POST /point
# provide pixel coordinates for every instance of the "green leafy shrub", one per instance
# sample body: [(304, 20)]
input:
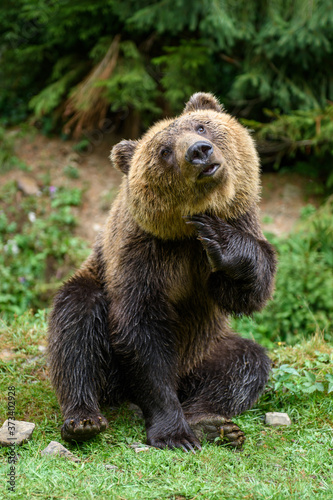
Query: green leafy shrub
[(301, 370), (303, 380), (71, 171), (6, 151), (37, 248), (8, 159), (303, 299)]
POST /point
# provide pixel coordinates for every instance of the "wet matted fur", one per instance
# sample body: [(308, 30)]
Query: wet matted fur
[(145, 319)]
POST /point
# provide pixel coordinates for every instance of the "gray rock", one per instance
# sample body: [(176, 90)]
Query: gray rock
[(276, 418), (73, 158), (15, 432), (55, 448), (28, 185), (136, 410), (111, 467), (139, 447), (7, 355)]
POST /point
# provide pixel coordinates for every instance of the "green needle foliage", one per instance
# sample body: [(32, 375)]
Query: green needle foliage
[(252, 55)]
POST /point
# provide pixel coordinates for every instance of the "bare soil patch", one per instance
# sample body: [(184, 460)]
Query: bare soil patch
[(48, 159)]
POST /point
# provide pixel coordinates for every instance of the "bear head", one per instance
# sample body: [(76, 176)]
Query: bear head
[(203, 161)]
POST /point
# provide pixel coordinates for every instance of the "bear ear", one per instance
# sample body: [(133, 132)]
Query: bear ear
[(121, 155), (202, 100)]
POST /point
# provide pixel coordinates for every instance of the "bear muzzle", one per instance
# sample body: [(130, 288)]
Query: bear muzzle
[(201, 155)]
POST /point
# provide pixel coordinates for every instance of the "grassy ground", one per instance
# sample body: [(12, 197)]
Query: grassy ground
[(276, 463)]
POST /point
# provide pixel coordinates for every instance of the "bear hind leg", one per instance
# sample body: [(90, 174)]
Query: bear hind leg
[(226, 383)]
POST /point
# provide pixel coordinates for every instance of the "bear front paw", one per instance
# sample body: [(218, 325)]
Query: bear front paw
[(209, 239), (82, 429), (184, 439), (216, 236)]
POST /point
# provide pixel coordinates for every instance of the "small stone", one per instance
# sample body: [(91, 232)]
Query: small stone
[(28, 185), (97, 227), (55, 448), (111, 467), (7, 354), (73, 158), (16, 432), (32, 217), (276, 418), (136, 410), (139, 447)]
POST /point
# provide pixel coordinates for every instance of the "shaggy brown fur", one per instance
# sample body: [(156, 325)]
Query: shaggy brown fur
[(145, 318)]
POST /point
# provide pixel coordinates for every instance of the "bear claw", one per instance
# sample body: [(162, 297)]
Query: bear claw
[(224, 429), (75, 429), (181, 443)]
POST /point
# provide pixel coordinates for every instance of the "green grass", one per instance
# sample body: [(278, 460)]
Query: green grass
[(276, 463)]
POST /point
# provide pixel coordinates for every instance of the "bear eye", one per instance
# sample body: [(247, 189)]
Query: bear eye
[(165, 153), (201, 129)]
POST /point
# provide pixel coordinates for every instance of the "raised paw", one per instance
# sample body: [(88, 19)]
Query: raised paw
[(209, 239), (82, 429), (223, 245), (218, 429)]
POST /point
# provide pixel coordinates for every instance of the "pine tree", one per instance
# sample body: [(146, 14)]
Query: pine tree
[(252, 54)]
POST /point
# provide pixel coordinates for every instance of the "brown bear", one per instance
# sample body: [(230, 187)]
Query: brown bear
[(145, 319)]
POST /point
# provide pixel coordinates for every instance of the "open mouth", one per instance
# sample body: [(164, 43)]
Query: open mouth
[(209, 170)]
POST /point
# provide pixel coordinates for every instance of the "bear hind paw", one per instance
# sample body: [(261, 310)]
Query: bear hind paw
[(218, 429)]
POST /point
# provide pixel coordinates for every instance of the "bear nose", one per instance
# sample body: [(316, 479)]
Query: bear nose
[(199, 153)]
